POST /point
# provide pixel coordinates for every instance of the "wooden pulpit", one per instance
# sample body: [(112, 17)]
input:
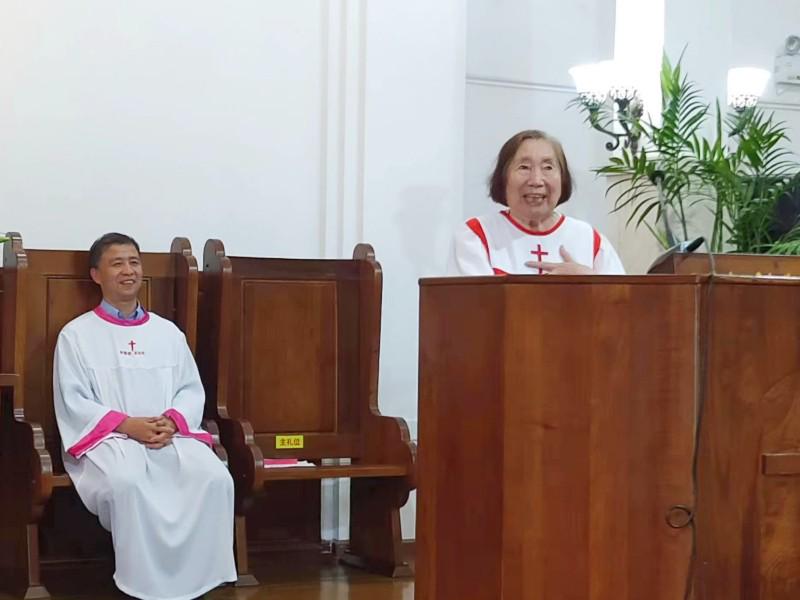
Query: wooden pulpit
[(683, 263), (599, 438)]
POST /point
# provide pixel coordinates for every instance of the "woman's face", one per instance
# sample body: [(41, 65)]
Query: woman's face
[(533, 182)]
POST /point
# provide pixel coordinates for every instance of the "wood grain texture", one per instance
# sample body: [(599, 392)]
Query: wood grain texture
[(585, 395), (555, 433), (781, 463), (749, 522), (291, 347), (728, 264)]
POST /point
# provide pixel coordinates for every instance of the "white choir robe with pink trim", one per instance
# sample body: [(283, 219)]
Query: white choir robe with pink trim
[(169, 510), (497, 244)]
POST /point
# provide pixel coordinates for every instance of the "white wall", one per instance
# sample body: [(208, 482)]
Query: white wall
[(759, 31), (413, 173), (702, 32), (414, 149), (284, 128), (158, 119), (729, 33)]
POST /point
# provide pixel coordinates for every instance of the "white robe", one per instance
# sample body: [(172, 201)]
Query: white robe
[(170, 510), (496, 244)]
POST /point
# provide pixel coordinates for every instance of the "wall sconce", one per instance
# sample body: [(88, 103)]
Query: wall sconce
[(745, 87), (594, 83), (597, 82)]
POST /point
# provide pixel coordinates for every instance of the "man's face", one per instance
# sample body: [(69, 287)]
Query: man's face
[(119, 273)]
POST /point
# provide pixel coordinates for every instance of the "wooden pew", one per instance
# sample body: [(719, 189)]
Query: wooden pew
[(42, 291), (290, 347), (8, 386)]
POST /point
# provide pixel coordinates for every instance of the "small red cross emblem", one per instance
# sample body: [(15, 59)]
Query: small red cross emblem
[(539, 254), (132, 344)]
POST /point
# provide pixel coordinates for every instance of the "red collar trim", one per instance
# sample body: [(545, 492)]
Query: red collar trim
[(507, 215), (125, 323)]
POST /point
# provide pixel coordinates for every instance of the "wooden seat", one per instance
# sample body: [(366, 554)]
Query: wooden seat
[(42, 291), (290, 348), (335, 471)]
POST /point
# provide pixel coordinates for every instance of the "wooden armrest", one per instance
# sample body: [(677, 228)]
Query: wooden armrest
[(388, 441), (211, 427), (9, 379), (61, 480)]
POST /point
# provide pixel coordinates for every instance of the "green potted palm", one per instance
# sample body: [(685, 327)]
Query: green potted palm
[(739, 173)]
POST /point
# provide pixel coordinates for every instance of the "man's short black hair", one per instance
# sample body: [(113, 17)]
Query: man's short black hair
[(103, 242)]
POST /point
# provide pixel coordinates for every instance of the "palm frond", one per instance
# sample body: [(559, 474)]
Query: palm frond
[(738, 173)]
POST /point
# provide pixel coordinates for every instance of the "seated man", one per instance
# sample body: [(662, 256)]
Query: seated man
[(129, 401)]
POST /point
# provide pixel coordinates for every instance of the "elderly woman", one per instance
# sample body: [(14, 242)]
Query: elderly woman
[(530, 236)]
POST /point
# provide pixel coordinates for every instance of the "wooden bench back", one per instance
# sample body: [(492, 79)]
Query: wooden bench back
[(1, 316), (291, 346), (49, 288)]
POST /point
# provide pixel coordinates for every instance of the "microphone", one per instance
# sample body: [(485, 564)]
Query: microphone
[(691, 246), (686, 247)]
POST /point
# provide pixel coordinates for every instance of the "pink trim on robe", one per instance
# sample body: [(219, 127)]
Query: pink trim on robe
[(110, 421), (183, 427), (129, 323)]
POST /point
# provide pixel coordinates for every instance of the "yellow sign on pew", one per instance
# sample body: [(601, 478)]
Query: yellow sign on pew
[(288, 442)]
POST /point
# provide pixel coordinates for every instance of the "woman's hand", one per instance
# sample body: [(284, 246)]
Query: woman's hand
[(568, 267)]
